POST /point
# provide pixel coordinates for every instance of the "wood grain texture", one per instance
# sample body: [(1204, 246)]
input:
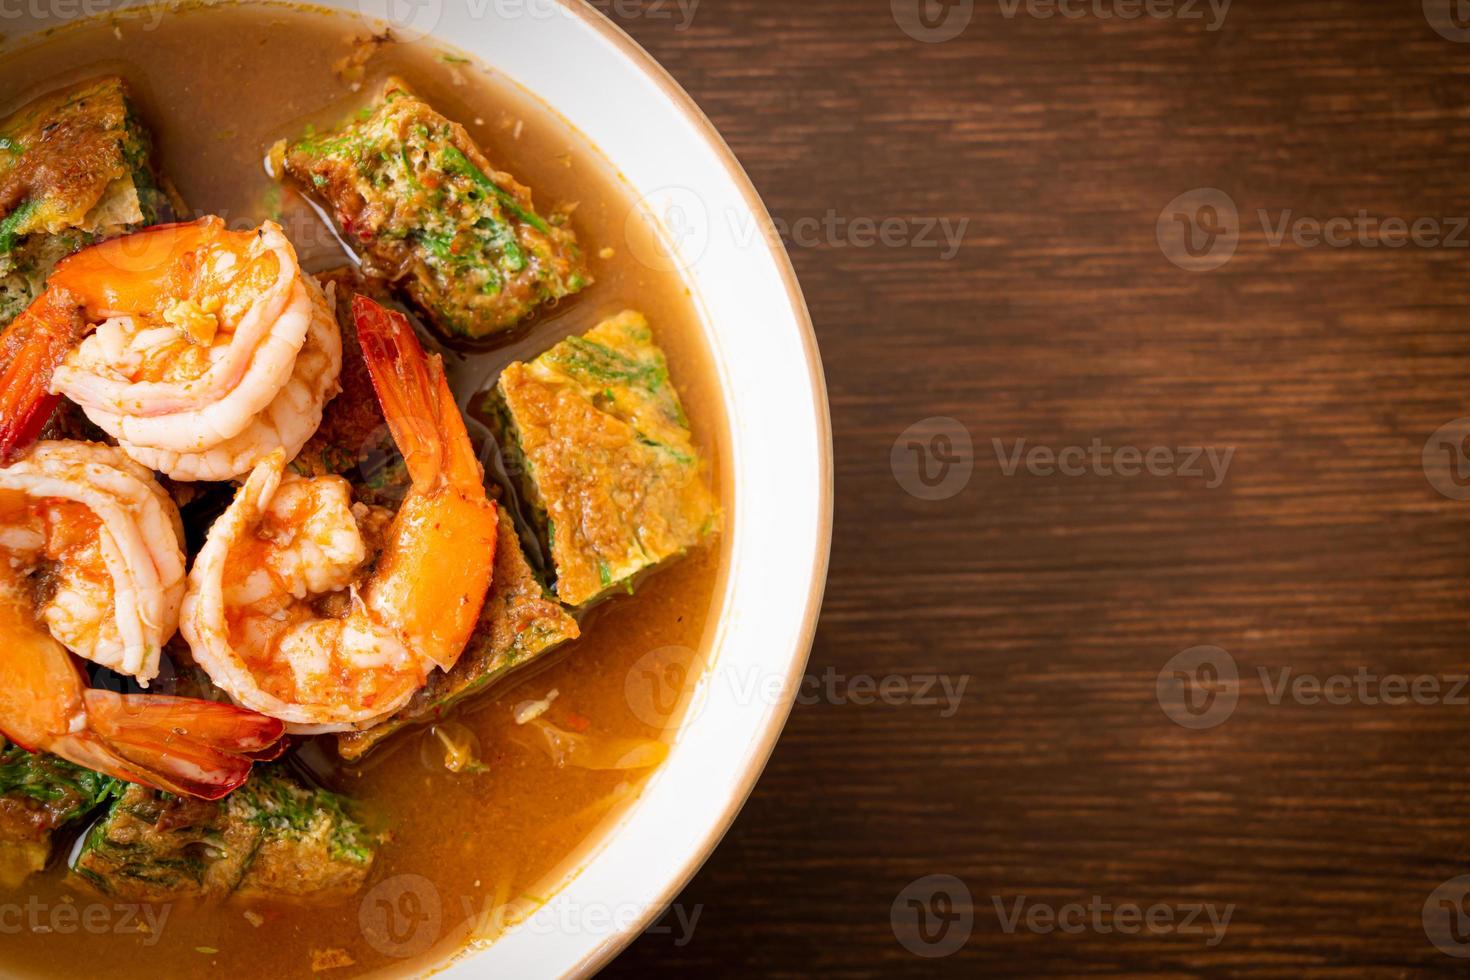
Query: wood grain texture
[(1325, 549)]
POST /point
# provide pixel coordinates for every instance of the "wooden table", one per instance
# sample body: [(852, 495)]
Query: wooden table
[(1325, 548)]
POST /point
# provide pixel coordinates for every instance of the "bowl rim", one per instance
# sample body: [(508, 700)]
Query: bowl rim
[(603, 953)]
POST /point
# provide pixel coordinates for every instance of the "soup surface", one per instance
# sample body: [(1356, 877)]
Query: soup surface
[(465, 852)]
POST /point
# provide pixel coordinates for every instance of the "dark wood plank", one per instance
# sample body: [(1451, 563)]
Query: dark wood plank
[(1060, 321)]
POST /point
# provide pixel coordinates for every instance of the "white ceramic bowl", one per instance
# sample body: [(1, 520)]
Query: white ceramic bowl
[(575, 60)]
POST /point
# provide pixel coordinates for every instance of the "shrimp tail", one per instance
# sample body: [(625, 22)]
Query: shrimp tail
[(417, 403), (182, 745), (445, 530), (30, 351)]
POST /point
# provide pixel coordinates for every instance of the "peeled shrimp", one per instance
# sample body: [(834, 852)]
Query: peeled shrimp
[(286, 423), (200, 350), (109, 538), (90, 561), (286, 547)]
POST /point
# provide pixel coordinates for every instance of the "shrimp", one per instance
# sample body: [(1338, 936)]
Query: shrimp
[(200, 350), (90, 561), (257, 612), (111, 536)]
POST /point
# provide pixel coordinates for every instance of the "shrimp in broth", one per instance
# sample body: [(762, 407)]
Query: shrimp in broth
[(90, 561), (252, 611), (200, 350)]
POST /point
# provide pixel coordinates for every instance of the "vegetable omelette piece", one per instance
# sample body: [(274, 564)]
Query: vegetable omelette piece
[(40, 794), (428, 212), (272, 837), (595, 434), (518, 623), (74, 169)]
